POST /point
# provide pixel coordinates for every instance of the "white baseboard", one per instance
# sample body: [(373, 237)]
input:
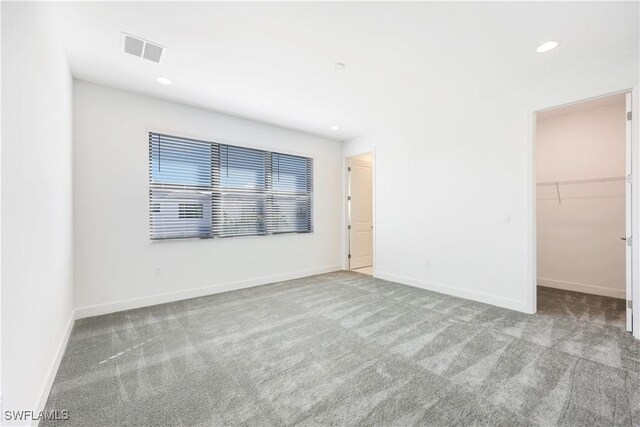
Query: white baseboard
[(582, 287), (53, 369), (457, 292), (112, 307)]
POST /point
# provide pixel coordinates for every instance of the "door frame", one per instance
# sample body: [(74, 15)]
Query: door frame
[(345, 224), (632, 158)]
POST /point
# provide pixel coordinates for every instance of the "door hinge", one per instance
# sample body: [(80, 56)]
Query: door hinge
[(348, 227), (630, 304), (349, 169), (629, 115), (348, 197), (349, 256), (629, 240), (629, 179)]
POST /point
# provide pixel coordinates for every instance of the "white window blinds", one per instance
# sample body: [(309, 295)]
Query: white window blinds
[(204, 189)]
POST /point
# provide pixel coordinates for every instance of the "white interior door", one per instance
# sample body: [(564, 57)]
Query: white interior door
[(360, 214), (629, 263)]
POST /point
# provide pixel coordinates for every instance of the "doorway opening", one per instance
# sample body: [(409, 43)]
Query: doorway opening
[(583, 210), (360, 213)]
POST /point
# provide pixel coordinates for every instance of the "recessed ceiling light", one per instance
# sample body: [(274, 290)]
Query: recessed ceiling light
[(334, 127), (547, 46), (163, 80), (339, 66)]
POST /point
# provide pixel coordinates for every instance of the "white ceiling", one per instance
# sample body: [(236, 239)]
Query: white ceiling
[(273, 62)]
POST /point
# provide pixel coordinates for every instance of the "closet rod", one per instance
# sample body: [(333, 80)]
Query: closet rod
[(582, 181)]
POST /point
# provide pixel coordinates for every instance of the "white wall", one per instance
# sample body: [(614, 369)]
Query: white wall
[(579, 246), (118, 267), (1, 401), (37, 222), (454, 191)]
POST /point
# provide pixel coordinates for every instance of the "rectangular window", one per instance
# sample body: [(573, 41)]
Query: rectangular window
[(205, 189), (291, 202)]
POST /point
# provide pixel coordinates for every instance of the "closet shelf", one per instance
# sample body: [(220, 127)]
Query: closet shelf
[(582, 181), (557, 184)]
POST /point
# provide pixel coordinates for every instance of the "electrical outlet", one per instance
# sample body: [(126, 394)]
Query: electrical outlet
[(157, 272)]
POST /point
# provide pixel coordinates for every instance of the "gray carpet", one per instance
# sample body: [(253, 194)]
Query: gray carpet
[(582, 307), (347, 349)]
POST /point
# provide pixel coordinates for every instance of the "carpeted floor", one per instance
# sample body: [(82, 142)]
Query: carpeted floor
[(343, 349), (582, 307)]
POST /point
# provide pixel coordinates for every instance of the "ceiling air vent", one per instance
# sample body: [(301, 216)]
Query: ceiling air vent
[(142, 48)]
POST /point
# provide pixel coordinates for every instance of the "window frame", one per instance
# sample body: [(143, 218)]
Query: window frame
[(268, 194)]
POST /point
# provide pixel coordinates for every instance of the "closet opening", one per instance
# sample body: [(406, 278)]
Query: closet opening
[(583, 211), (360, 213)]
